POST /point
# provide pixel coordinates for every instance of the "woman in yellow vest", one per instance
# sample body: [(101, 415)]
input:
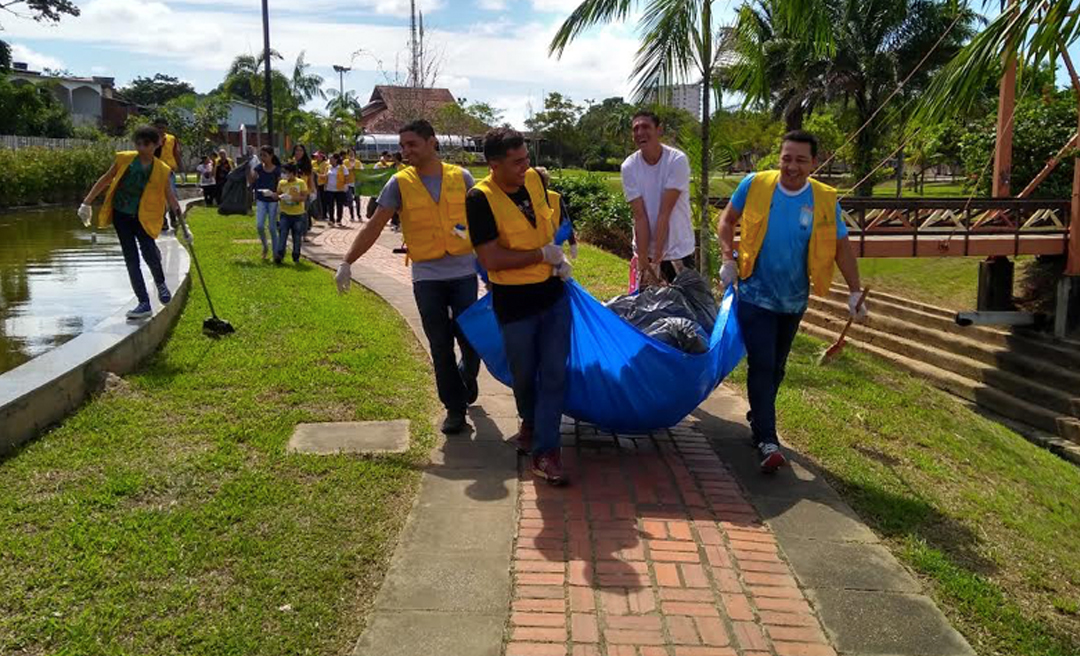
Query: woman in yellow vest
[(512, 226), (430, 196), (792, 236), (138, 193), (168, 151), (321, 167)]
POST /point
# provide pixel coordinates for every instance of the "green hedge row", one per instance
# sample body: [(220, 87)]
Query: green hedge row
[(601, 217), (41, 175)]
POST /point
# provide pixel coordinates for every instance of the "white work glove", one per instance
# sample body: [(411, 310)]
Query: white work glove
[(553, 255), (189, 237), (343, 277), (729, 273), (285, 198), (573, 251), (564, 270), (86, 214), (857, 313), (311, 197)]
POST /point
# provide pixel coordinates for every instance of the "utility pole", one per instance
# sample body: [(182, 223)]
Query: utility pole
[(414, 48), (266, 70)]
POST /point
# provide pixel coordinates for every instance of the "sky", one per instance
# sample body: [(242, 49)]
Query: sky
[(490, 50)]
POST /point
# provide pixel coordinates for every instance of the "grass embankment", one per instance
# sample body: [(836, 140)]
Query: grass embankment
[(164, 517), (987, 520)]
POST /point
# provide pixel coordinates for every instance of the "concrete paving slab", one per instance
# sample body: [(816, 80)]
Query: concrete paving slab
[(887, 624), (350, 437), (486, 531), (827, 564), (487, 428), (812, 518), (421, 580), (497, 405), (463, 453), (468, 488), (420, 633)]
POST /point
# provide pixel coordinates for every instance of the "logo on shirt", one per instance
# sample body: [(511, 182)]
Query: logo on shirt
[(806, 217)]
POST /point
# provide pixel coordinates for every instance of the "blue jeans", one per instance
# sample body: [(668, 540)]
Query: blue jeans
[(289, 224), (440, 303), (267, 212), (537, 348), (133, 238), (768, 337)]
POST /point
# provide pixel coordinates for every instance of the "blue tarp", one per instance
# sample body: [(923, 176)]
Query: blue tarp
[(618, 377)]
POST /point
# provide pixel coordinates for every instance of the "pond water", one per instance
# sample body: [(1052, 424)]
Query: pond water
[(54, 282)]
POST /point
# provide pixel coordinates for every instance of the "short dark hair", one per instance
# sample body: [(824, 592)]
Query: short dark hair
[(802, 136), (644, 113), (499, 141), (146, 134), (385, 153), (420, 127), (289, 167)]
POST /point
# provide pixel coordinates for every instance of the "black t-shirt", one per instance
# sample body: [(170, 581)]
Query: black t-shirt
[(510, 302)]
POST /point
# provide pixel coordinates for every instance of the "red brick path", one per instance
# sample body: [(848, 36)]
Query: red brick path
[(652, 550)]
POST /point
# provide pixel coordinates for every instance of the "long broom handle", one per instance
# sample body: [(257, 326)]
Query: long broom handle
[(858, 306), (198, 269)]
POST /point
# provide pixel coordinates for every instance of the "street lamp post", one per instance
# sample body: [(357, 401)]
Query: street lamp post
[(341, 71), (266, 71)]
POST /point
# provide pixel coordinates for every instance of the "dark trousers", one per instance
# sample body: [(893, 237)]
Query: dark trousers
[(324, 201), (336, 211), (537, 348), (667, 269), (133, 238), (209, 193), (768, 337), (440, 303), (290, 224)]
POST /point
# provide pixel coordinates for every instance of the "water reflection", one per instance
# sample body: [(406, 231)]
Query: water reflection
[(54, 283)]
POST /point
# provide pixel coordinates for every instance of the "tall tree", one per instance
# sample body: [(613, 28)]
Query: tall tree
[(865, 50), (306, 86), (679, 42), (557, 122), (43, 11), (155, 91)]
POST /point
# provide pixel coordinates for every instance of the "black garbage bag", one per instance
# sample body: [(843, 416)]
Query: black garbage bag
[(682, 314), (235, 196)]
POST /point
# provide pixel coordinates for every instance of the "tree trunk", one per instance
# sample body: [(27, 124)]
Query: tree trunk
[(900, 173), (706, 142)]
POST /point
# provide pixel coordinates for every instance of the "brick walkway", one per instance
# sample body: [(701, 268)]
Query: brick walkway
[(652, 551), (657, 548)]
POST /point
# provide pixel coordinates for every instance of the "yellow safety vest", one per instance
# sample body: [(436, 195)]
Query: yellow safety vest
[(321, 170), (168, 151), (339, 177), (431, 230), (153, 201), (755, 223), (515, 231), (350, 177), (555, 201)]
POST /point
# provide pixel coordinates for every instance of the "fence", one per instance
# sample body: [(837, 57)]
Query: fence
[(15, 143)]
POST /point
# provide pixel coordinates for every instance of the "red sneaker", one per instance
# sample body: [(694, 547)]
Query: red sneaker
[(548, 466), (523, 440), (771, 457)]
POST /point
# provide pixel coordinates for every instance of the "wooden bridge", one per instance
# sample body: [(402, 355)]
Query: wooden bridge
[(954, 227)]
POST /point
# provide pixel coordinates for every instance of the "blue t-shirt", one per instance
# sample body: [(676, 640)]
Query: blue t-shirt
[(780, 282)]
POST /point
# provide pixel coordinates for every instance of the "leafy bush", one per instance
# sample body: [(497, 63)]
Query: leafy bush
[(42, 175), (601, 217)]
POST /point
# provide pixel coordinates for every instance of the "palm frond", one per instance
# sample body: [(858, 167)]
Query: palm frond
[(586, 15)]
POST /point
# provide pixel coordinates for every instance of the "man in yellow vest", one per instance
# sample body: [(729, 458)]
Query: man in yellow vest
[(138, 193), (513, 225), (168, 151), (792, 236), (430, 196)]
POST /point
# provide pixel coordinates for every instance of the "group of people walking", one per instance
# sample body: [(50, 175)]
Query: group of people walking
[(792, 238)]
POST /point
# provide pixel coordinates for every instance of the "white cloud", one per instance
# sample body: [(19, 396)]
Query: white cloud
[(491, 5), (33, 59), (556, 6)]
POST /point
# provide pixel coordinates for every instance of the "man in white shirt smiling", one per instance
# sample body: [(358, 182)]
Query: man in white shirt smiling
[(656, 182)]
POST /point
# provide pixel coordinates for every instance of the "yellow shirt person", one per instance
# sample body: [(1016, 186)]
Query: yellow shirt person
[(297, 191)]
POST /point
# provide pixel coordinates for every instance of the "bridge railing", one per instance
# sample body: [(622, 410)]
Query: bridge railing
[(944, 227)]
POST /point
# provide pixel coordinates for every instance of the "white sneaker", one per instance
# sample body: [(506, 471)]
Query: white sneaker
[(771, 457)]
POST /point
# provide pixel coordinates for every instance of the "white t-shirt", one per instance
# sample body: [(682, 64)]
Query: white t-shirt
[(640, 180)]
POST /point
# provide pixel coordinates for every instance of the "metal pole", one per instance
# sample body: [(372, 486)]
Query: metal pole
[(266, 71)]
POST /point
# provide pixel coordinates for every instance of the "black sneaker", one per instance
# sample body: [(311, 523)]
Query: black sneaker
[(163, 294), (454, 422)]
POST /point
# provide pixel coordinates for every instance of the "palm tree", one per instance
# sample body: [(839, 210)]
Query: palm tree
[(866, 51), (347, 105), (306, 86), (678, 43)]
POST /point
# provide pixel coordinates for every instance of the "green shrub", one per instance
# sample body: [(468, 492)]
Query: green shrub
[(42, 175), (601, 217)]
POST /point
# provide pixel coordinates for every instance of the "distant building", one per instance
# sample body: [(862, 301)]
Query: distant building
[(683, 96), (390, 108), (91, 100)]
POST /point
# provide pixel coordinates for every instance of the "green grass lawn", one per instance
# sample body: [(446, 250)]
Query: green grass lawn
[(164, 517), (987, 520)]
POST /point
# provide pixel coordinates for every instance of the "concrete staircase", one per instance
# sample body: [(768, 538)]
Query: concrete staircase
[(1031, 380)]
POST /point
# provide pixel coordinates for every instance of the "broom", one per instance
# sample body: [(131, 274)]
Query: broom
[(838, 346)]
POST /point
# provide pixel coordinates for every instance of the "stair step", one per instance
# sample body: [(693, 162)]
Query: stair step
[(1069, 428), (891, 299), (1017, 386), (983, 395), (1047, 372)]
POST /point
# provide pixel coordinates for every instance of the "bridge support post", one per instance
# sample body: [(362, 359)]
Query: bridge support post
[(1067, 307), (995, 285)]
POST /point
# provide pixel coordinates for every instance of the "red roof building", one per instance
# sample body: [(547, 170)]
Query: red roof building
[(390, 108)]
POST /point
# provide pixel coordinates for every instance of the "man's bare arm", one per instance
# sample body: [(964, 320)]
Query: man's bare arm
[(848, 265), (726, 231), (663, 223), (494, 257), (642, 233)]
